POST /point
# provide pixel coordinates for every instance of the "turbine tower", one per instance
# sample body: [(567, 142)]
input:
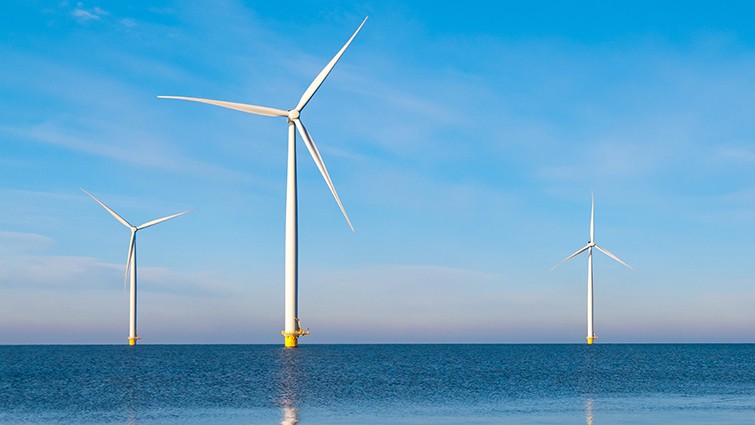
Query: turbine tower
[(292, 326), (130, 276), (590, 245)]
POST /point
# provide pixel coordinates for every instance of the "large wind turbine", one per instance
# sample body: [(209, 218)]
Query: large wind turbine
[(131, 263), (292, 326), (590, 245)]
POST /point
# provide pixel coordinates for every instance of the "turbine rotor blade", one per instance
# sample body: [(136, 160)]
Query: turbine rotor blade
[(571, 256), (130, 257), (160, 220), (324, 73), (608, 253), (321, 165), (592, 218), (113, 213), (251, 109)]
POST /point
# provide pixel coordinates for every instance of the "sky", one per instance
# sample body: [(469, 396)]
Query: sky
[(463, 139)]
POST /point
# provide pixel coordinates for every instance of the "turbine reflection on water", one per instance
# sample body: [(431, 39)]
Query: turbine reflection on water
[(290, 415), (289, 387), (588, 411)]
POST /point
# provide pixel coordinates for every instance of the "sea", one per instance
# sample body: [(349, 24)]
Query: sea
[(379, 384)]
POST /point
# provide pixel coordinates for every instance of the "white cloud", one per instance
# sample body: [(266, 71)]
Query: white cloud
[(740, 154), (74, 273), (81, 14), (64, 273), (128, 23), (23, 242)]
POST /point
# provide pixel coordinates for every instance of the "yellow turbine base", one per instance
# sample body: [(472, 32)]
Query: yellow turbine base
[(589, 340), (291, 341), (131, 341), (292, 338)]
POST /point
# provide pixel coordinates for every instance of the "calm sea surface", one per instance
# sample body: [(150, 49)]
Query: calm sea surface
[(379, 384)]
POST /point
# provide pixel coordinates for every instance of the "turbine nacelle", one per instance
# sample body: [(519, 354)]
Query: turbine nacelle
[(293, 114)]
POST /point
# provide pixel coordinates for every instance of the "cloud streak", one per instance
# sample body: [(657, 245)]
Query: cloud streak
[(84, 15)]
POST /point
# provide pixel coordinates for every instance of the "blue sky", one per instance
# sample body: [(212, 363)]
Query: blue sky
[(463, 141)]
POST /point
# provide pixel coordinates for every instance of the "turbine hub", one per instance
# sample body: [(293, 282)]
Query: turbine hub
[(293, 114)]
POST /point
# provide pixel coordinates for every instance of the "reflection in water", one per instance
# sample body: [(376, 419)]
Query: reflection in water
[(290, 415), (588, 411), (288, 386), (131, 417)]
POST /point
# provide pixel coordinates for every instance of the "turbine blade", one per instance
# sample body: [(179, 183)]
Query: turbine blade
[(592, 217), (324, 73), (130, 257), (113, 213), (251, 109), (160, 220), (605, 251), (321, 165), (570, 257)]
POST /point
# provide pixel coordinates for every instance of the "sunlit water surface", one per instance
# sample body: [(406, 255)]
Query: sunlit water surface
[(379, 384)]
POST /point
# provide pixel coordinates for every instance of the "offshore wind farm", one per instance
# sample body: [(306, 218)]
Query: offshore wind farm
[(463, 138), (462, 168)]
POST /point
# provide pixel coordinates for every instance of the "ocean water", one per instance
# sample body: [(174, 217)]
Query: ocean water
[(379, 384)]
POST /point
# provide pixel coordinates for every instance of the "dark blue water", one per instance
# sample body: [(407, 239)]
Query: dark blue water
[(375, 384)]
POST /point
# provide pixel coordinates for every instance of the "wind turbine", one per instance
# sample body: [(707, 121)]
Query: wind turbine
[(292, 326), (590, 245), (130, 276)]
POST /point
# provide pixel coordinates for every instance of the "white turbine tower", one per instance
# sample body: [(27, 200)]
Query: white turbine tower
[(130, 276), (292, 326), (590, 245)]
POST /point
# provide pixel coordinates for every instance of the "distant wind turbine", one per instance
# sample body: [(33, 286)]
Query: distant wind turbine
[(292, 330), (590, 245), (131, 262)]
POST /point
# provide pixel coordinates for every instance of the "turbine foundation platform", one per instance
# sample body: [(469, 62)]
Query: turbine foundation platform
[(291, 339), (132, 340), (590, 339)]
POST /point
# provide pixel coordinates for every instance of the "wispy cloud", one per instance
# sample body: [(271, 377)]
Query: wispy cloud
[(64, 273), (76, 273), (23, 242), (83, 14), (741, 154)]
